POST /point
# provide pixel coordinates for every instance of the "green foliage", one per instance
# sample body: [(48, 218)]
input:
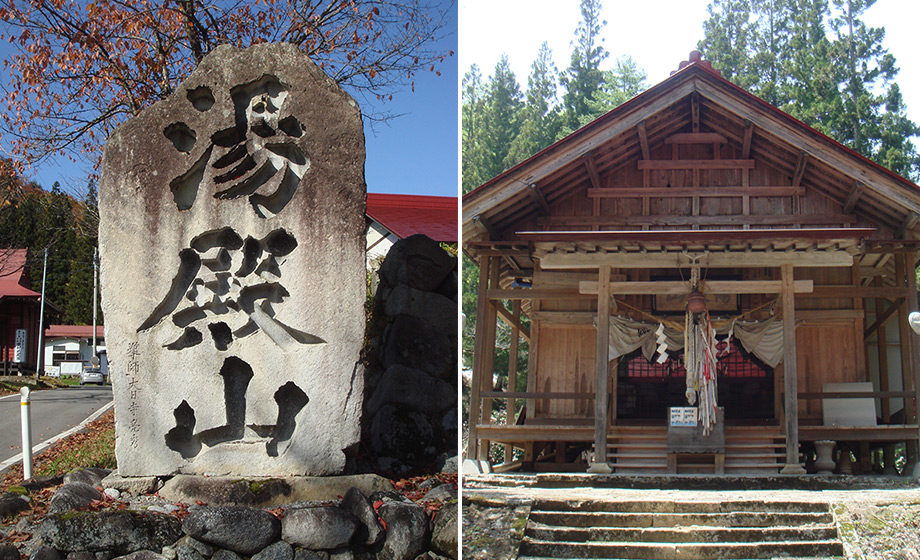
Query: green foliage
[(35, 219), (584, 77), (820, 63), (97, 451)]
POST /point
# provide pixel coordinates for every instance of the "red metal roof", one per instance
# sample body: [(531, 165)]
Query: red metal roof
[(74, 331), (13, 279), (406, 214)]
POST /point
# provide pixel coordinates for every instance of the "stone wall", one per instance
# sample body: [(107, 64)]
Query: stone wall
[(410, 407)]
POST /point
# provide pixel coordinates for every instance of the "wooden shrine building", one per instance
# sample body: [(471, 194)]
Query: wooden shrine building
[(807, 246)]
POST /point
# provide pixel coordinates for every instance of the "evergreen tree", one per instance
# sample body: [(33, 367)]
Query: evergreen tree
[(502, 118), (584, 78), (540, 116), (621, 83), (472, 129)]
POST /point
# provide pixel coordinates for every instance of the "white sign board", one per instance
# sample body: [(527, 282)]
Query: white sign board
[(19, 351), (683, 416)]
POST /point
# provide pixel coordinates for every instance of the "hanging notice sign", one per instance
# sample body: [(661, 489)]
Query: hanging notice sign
[(683, 416), (19, 350)]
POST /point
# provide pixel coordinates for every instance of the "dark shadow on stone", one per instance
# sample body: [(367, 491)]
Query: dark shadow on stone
[(250, 184), (201, 98), (185, 186), (279, 242), (188, 316), (223, 237), (181, 438), (189, 337), (182, 137), (220, 262), (221, 334), (236, 375), (269, 291), (276, 201), (291, 126), (244, 167), (189, 264), (249, 328), (231, 157), (269, 265), (291, 399), (252, 250)]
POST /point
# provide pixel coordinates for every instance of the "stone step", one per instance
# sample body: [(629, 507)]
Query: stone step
[(691, 534), (649, 507), (531, 548), (645, 519)]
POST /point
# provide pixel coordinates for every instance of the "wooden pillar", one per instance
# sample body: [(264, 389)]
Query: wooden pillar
[(600, 372), (511, 404), (913, 345), (882, 337), (488, 356), (790, 378), (472, 445)]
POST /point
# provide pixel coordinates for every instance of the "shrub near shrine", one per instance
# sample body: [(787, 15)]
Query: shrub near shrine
[(231, 236)]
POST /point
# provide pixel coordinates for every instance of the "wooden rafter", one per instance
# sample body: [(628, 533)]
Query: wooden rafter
[(909, 222), (746, 139), (695, 111), (535, 193), (482, 225), (591, 167), (800, 168), (853, 197), (509, 318), (643, 140)]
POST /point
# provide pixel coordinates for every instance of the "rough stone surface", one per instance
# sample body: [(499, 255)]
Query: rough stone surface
[(276, 551), (218, 491), (141, 555), (417, 261), (423, 346), (45, 553), (220, 526), (318, 528), (135, 485), (402, 433), (120, 532), (444, 534), (370, 532), (92, 476), (225, 555), (407, 531), (427, 306), (186, 552), (12, 503), (232, 227), (393, 389), (441, 493), (8, 552), (304, 554), (81, 555), (72, 496)]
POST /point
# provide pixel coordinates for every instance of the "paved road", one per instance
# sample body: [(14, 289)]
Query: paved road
[(53, 412)]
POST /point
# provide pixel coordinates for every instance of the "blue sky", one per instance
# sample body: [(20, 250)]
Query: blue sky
[(414, 153)]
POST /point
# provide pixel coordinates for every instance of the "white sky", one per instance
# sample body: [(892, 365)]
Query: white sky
[(658, 34)]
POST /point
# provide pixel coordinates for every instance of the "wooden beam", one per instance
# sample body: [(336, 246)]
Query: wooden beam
[(695, 111), (643, 140), (669, 164), (909, 222), (488, 356), (882, 317), (564, 317), (711, 260), (601, 364), (724, 220), (800, 168), (696, 138), (538, 197), (709, 287), (534, 293), (746, 139), (846, 292), (853, 197), (481, 225), (790, 374), (592, 170), (511, 403), (665, 192), (513, 321)]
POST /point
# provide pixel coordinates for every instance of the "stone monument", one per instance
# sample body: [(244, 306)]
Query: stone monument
[(233, 282)]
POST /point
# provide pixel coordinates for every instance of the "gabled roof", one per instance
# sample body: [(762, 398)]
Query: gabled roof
[(849, 181), (406, 215), (74, 331), (14, 281)]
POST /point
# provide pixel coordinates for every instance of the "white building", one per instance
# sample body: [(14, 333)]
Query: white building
[(69, 348)]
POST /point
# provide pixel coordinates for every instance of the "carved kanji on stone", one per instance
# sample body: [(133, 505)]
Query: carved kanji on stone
[(232, 221)]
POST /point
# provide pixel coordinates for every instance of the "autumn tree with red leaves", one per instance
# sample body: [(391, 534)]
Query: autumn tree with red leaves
[(83, 67)]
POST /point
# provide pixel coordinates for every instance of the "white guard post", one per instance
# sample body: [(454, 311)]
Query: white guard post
[(25, 400)]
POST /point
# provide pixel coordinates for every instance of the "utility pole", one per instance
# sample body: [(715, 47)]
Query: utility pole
[(95, 295), (40, 364)]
